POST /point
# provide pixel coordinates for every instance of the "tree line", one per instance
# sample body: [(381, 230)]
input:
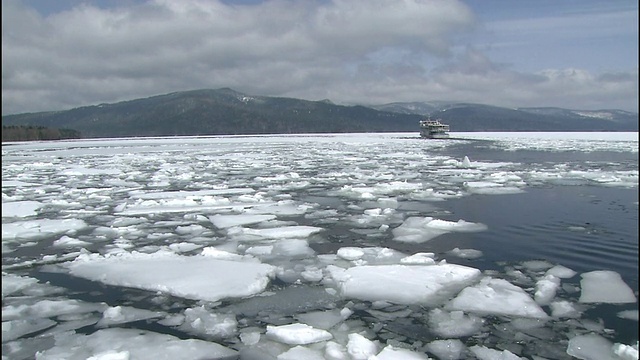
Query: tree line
[(30, 133)]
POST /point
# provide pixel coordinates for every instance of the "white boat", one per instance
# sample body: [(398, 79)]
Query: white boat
[(433, 129)]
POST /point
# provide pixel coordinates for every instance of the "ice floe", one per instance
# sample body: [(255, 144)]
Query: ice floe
[(132, 344), (20, 209), (40, 228), (297, 334), (605, 287), (498, 297), (226, 221), (418, 230), (194, 277), (403, 284), (595, 347)]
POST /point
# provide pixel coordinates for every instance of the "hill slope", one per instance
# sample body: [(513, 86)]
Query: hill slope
[(217, 112), (227, 112), (478, 117)]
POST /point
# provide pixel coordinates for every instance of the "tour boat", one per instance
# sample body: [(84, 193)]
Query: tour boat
[(433, 129)]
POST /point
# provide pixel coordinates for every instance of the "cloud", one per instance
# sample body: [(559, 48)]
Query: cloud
[(349, 51)]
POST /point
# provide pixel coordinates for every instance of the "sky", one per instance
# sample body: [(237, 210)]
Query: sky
[(576, 54)]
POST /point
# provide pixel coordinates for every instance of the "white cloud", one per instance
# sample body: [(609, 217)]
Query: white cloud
[(351, 51)]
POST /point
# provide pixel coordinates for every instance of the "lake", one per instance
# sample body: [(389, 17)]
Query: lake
[(332, 246)]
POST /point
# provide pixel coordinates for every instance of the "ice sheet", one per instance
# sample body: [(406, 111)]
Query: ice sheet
[(403, 284), (605, 286), (132, 344), (20, 209), (498, 297), (193, 277), (297, 334)]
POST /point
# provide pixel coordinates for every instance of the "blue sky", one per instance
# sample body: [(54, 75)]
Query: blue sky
[(574, 54)]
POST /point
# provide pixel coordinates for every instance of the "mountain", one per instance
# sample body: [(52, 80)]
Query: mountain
[(227, 112), (217, 112), (475, 117), (623, 118)]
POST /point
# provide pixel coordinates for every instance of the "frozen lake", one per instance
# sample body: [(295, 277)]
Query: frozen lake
[(332, 246)]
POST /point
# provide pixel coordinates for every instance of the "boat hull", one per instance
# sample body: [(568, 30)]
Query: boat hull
[(435, 136)]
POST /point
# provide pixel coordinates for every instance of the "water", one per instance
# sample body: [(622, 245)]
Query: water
[(578, 207)]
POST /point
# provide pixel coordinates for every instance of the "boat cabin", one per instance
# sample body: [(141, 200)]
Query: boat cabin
[(433, 129)]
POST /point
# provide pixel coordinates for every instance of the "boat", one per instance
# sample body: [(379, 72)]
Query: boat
[(433, 129)]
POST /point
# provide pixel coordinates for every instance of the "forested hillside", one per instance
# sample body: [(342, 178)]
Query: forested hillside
[(29, 133), (228, 112)]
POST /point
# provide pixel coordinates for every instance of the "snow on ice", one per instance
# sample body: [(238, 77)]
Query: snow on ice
[(192, 277)]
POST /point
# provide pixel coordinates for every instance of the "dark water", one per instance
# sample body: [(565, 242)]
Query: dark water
[(582, 228), (585, 228)]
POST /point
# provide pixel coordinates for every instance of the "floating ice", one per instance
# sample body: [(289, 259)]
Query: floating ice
[(20, 208), (39, 229), (466, 163), (485, 353), (419, 259), (595, 347), (184, 247), (561, 272), (49, 308), (12, 283), (466, 253), (605, 286), (132, 344), (490, 188), (311, 273), (69, 242), (361, 348), (536, 265), (546, 289), (498, 297), (173, 205), (193, 277), (16, 183), (453, 324), (564, 308), (227, 221), (297, 334), (626, 314), (15, 329), (418, 230), (626, 352), (120, 315), (350, 253), (335, 351), (370, 255), (293, 249), (207, 324), (446, 349), (403, 284), (392, 353), (300, 352), (286, 232), (188, 194), (214, 253), (280, 208), (80, 170)]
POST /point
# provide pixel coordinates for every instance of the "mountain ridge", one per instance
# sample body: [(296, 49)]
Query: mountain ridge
[(228, 112)]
